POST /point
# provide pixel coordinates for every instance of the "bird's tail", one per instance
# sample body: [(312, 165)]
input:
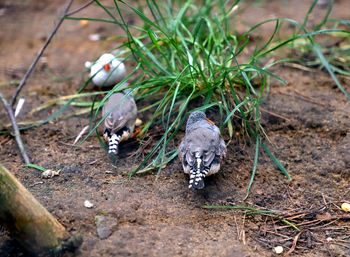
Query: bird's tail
[(196, 180), (113, 144), (197, 174)]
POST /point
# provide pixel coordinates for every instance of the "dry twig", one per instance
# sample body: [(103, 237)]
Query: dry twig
[(16, 132), (295, 241), (80, 8), (40, 53), (9, 106)]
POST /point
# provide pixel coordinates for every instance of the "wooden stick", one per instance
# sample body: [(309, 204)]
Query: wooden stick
[(26, 219)]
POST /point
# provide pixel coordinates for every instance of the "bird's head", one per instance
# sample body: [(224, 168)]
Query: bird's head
[(107, 70), (195, 117), (105, 62)]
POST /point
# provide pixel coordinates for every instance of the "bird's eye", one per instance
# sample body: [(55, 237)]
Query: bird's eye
[(107, 67)]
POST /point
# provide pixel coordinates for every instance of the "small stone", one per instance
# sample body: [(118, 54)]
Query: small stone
[(88, 64), (95, 37), (278, 249), (88, 204), (104, 226), (138, 122), (345, 207)]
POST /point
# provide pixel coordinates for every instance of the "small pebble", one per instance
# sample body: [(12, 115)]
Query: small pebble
[(278, 249), (138, 122), (44, 60), (88, 64), (345, 207), (95, 37), (88, 204), (105, 225), (84, 23)]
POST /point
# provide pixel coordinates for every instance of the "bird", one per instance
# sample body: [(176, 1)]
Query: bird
[(106, 71), (201, 150), (120, 112)]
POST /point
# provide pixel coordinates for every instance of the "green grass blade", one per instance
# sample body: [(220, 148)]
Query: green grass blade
[(36, 167), (255, 165), (279, 165)]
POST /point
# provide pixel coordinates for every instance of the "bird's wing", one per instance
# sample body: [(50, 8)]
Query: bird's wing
[(208, 157), (221, 151), (182, 150), (206, 138), (185, 154)]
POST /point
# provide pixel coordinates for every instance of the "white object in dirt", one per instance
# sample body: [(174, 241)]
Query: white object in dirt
[(278, 249), (50, 173), (345, 207), (106, 71), (138, 122), (82, 132), (88, 204), (95, 37), (19, 106)]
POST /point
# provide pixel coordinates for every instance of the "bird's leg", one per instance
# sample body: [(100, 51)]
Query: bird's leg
[(137, 131), (124, 133)]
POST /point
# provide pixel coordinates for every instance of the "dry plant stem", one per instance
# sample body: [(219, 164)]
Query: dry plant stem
[(40, 53), (80, 8), (275, 114), (9, 106), (295, 241), (16, 132)]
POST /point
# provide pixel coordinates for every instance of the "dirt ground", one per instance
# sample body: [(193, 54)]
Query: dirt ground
[(307, 121)]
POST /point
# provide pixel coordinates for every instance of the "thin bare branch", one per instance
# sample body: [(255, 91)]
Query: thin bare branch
[(40, 53), (16, 132), (80, 8)]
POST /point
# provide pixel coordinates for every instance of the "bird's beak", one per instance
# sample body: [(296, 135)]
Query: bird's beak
[(210, 121), (107, 67)]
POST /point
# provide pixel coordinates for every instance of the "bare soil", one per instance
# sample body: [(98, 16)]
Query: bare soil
[(307, 122)]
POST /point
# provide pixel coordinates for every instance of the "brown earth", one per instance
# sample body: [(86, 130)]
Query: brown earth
[(307, 121)]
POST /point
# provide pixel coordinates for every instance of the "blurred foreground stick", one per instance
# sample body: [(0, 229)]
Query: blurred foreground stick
[(29, 222)]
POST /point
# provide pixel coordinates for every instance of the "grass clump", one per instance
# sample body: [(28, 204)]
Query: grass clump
[(188, 57)]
